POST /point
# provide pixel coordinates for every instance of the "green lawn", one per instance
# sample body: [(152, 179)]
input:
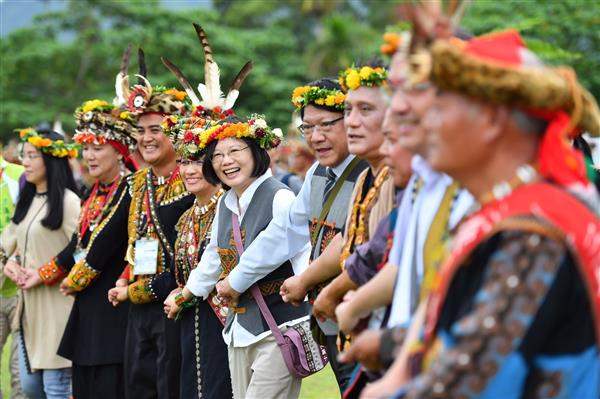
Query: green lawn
[(319, 386)]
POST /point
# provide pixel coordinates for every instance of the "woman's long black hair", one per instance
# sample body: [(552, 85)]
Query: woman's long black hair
[(59, 177)]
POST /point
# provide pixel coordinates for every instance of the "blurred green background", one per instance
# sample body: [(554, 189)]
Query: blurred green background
[(72, 51)]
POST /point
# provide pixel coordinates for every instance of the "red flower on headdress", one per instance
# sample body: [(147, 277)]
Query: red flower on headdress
[(188, 136)]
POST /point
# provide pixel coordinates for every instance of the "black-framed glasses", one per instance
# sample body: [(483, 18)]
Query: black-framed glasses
[(324, 127), (234, 153), (188, 162)]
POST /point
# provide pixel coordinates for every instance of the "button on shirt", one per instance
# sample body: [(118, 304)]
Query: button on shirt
[(203, 278)]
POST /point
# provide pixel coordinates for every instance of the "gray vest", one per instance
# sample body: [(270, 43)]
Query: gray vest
[(256, 219), (336, 218)]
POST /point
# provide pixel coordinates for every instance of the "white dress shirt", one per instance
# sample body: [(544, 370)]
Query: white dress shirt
[(287, 234), (412, 227), (203, 278)]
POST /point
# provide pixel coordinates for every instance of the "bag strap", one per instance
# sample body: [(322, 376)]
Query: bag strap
[(254, 290), (334, 192)]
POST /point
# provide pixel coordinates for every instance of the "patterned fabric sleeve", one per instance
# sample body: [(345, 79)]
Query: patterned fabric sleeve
[(483, 349), (141, 291), (81, 275), (162, 284), (51, 272)]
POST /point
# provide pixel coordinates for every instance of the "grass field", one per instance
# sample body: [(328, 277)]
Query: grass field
[(319, 386)]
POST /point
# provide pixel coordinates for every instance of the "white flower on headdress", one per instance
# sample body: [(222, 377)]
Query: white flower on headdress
[(88, 116), (277, 132), (138, 101), (260, 123), (192, 148)]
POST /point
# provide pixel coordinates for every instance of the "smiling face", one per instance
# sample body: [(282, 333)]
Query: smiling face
[(193, 178), (154, 145), (363, 116), (102, 161), (396, 157), (233, 163), (328, 143), (35, 169)]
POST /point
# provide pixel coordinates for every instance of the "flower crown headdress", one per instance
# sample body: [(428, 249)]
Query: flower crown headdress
[(209, 102), (143, 97), (305, 95), (56, 148), (354, 77), (99, 121), (193, 139)]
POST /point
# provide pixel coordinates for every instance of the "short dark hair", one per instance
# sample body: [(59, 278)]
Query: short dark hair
[(261, 157), (324, 83), (59, 177)]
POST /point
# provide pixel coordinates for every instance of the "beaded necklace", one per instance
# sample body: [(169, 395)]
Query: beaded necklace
[(95, 207), (357, 229), (193, 229)]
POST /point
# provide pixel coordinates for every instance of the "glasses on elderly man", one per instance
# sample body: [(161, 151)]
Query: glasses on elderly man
[(324, 127)]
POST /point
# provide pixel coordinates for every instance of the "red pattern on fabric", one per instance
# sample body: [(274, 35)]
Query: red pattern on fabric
[(552, 204), (501, 47)]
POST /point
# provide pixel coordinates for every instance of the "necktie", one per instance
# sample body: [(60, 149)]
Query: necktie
[(331, 177)]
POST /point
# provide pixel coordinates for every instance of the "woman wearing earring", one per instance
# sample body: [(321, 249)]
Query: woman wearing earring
[(236, 157), (95, 333), (44, 220)]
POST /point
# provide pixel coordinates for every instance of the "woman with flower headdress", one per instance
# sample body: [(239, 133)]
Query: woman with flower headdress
[(45, 218), (204, 365), (94, 336), (236, 156)]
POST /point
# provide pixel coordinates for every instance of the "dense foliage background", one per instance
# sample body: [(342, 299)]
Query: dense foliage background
[(69, 56)]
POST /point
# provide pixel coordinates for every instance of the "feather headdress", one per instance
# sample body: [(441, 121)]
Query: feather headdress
[(209, 95)]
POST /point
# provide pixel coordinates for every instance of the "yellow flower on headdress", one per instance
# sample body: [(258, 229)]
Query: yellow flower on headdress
[(340, 98), (179, 95), (92, 105), (365, 72), (320, 101), (73, 153), (353, 80), (330, 101), (124, 115), (299, 91)]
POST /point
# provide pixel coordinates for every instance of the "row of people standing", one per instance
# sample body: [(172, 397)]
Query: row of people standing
[(206, 257)]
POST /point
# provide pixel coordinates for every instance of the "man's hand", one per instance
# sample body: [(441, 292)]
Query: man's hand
[(29, 278), (171, 308), (364, 349), (226, 294), (117, 295), (325, 304), (385, 387), (293, 290), (346, 314), (122, 282), (65, 289)]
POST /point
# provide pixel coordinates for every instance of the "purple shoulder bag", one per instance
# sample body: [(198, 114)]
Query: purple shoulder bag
[(301, 353)]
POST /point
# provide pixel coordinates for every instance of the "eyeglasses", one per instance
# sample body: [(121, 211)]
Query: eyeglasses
[(234, 153), (324, 127), (31, 156), (187, 162)]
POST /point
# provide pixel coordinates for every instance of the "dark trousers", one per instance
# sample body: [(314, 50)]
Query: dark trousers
[(98, 382), (342, 371), (152, 354)]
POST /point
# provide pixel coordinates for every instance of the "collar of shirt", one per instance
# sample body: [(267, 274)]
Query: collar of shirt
[(231, 199), (429, 176), (339, 169)]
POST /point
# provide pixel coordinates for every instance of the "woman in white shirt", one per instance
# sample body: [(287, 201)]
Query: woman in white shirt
[(237, 158)]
